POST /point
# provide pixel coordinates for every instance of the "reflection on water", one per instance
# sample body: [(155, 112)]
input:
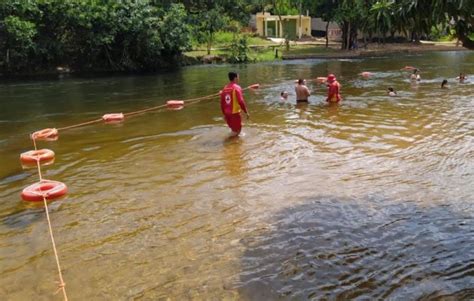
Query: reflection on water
[(369, 199)]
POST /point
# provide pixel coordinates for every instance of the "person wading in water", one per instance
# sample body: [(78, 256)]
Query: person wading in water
[(333, 89), (232, 102), (302, 92)]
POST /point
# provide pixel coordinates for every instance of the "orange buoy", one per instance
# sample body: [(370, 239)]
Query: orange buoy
[(175, 104), (113, 117), (40, 155), (48, 189), (366, 74), (254, 86), (321, 79), (49, 134)]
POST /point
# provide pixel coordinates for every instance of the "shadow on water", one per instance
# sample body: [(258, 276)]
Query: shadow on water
[(341, 249)]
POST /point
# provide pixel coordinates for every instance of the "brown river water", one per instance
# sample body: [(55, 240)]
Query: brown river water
[(372, 199)]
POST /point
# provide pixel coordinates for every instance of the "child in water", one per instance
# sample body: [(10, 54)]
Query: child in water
[(284, 95), (444, 84), (391, 92), (416, 75), (462, 77)]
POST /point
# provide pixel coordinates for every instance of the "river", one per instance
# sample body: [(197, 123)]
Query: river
[(371, 199)]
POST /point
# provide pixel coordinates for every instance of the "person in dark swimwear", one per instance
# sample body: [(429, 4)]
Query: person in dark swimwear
[(302, 91)]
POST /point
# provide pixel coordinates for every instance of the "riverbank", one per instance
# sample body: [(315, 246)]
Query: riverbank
[(271, 51), (372, 50), (316, 49)]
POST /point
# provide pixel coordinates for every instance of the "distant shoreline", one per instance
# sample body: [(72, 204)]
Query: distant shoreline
[(375, 50)]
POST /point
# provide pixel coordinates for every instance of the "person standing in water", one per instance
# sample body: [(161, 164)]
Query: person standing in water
[(232, 102), (302, 92), (416, 75), (333, 89)]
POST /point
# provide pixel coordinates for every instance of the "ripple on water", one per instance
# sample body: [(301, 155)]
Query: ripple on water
[(371, 249)]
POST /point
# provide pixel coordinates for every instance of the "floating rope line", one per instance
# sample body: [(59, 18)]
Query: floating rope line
[(133, 113), (61, 284), (80, 124)]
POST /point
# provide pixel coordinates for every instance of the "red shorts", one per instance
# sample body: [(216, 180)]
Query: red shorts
[(234, 121)]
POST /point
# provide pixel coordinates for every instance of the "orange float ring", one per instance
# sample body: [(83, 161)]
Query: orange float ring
[(40, 155), (49, 134), (321, 79), (408, 68), (48, 189), (175, 104), (254, 86), (113, 117)]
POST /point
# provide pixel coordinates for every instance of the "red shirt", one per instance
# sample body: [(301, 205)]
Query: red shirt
[(232, 99), (333, 92)]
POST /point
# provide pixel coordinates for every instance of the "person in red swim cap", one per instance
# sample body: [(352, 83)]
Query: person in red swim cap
[(232, 102), (333, 89)]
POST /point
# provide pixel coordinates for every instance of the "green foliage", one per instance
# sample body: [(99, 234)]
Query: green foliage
[(147, 34), (17, 43), (97, 35), (207, 24), (239, 50), (175, 33)]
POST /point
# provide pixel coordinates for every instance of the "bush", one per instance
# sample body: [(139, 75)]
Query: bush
[(239, 49), (18, 42)]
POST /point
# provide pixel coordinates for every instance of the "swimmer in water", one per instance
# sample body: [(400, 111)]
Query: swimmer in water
[(444, 84), (416, 75), (462, 78), (302, 92), (391, 92), (284, 95)]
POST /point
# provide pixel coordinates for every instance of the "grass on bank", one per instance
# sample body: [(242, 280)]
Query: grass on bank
[(223, 39), (268, 53)]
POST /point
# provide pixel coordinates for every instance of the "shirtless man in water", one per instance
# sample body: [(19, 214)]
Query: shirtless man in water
[(302, 92)]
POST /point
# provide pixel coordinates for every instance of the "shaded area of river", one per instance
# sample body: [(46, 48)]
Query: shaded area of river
[(372, 199)]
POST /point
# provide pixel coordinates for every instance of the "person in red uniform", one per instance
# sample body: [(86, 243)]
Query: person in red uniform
[(232, 102), (333, 89)]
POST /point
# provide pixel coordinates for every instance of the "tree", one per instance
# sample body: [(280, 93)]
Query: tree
[(382, 16), (18, 41), (326, 9), (210, 22)]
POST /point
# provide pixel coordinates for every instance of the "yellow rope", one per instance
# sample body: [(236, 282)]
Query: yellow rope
[(62, 284), (187, 101)]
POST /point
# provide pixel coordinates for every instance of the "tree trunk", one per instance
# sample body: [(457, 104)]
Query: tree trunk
[(209, 43), (348, 45), (344, 35), (327, 34)]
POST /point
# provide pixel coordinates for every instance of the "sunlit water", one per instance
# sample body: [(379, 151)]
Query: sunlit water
[(372, 199)]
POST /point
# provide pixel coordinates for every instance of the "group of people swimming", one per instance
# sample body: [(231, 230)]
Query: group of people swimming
[(232, 100), (416, 77)]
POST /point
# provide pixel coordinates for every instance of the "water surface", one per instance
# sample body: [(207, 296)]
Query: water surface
[(372, 199)]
